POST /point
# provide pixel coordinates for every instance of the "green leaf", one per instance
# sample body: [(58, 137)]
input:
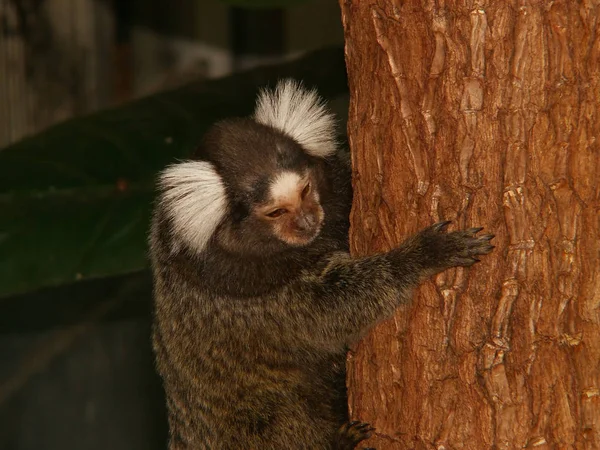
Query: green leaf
[(75, 200)]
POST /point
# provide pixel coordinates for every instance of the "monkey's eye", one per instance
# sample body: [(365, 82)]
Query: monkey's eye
[(305, 191), (277, 213)]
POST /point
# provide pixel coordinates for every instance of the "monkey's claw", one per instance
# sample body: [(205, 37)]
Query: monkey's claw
[(352, 433), (441, 226), (474, 230)]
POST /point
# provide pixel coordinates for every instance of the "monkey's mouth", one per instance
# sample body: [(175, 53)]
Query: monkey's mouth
[(302, 237)]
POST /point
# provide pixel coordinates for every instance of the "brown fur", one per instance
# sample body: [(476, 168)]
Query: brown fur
[(251, 334)]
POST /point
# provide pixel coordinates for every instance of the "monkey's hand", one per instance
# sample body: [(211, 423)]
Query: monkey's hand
[(441, 250), (351, 433)]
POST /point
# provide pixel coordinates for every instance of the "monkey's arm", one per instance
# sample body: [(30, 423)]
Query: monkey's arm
[(352, 294)]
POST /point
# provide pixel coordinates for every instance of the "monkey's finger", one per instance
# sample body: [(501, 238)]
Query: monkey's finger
[(483, 249), (466, 261)]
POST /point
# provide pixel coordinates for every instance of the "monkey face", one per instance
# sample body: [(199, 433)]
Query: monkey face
[(293, 211), (256, 186)]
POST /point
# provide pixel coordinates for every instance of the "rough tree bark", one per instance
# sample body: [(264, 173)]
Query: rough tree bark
[(485, 113)]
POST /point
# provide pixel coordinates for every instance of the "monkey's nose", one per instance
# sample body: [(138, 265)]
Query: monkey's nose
[(305, 222)]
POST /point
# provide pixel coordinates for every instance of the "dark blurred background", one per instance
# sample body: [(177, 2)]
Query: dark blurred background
[(76, 368), (60, 58)]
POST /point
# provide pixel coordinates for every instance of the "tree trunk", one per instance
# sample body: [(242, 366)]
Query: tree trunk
[(485, 113)]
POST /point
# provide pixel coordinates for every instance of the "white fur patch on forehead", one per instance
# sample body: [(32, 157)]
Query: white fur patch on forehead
[(195, 199), (299, 113), (286, 185)]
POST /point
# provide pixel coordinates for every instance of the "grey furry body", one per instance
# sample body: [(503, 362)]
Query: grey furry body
[(251, 345), (244, 346)]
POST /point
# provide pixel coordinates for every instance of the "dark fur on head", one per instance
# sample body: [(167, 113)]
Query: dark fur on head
[(256, 295), (265, 153)]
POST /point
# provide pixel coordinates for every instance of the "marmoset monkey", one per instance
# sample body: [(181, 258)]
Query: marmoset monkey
[(256, 295)]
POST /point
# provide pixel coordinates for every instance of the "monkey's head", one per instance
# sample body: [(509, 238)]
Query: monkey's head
[(255, 185)]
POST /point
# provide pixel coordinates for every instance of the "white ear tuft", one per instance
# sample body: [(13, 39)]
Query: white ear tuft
[(195, 200), (299, 113)]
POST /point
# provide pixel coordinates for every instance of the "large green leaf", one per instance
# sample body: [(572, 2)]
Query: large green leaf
[(75, 200)]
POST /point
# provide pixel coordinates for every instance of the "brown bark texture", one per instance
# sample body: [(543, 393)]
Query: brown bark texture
[(486, 113)]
